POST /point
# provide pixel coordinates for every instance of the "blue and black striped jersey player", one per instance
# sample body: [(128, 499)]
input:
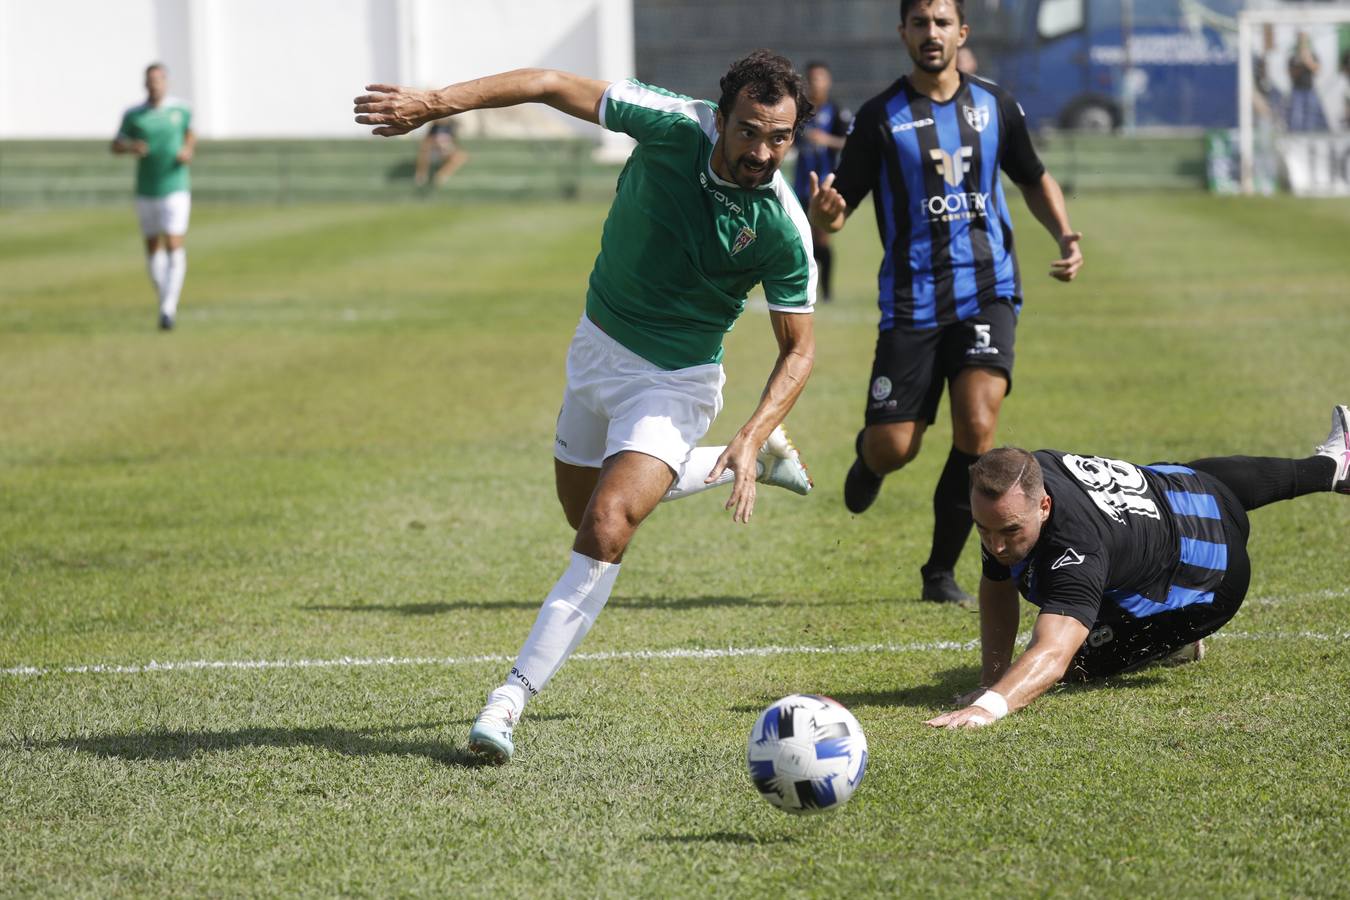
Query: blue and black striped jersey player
[(929, 149), (818, 149), (1128, 564)]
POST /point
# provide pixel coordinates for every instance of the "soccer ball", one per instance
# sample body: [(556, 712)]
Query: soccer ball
[(807, 754)]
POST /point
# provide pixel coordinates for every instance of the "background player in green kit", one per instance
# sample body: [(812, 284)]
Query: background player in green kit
[(701, 216), (159, 133)]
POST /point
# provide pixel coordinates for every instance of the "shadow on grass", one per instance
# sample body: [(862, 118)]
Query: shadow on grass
[(660, 602), (718, 837), (943, 691), (168, 746), (423, 609), (664, 602)]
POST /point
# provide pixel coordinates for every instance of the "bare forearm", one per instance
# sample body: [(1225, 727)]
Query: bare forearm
[(1045, 199), (563, 91), (998, 630), (1035, 672), (785, 385)]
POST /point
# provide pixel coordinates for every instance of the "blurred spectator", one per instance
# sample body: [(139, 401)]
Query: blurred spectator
[(1345, 89), (439, 150), (818, 151), (1305, 109)]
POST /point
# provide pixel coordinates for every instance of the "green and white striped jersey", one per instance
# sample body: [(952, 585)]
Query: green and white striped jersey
[(681, 247), (163, 128)]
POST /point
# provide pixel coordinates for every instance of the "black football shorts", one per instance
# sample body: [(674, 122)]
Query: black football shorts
[(912, 367)]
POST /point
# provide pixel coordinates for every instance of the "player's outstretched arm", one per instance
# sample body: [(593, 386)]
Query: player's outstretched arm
[(999, 608), (1046, 202), (1054, 641), (399, 110), (796, 355)]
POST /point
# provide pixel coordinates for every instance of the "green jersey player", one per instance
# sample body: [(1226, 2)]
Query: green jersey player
[(701, 215), (159, 134)]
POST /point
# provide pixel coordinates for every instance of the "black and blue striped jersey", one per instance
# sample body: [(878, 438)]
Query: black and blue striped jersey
[(1122, 541), (933, 167)]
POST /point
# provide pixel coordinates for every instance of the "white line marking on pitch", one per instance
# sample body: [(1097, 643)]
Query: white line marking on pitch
[(602, 656)]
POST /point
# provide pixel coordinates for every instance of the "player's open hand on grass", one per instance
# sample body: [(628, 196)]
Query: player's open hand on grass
[(740, 457), (967, 717), (1070, 257), (395, 110)]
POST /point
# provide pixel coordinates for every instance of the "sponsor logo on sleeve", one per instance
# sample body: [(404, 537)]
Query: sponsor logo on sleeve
[(1071, 557)]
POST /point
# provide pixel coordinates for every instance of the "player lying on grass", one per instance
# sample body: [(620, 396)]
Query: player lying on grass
[(701, 215), (1128, 564)]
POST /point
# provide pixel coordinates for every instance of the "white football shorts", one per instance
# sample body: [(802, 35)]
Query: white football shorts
[(616, 401), (164, 215)]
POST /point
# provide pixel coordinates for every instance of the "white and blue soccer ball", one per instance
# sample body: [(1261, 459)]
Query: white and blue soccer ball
[(807, 754)]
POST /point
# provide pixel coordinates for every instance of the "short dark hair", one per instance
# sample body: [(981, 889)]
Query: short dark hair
[(157, 65), (815, 64), (907, 5), (765, 77), (1000, 470)]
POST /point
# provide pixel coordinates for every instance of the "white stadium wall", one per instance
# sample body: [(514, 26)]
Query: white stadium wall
[(286, 68)]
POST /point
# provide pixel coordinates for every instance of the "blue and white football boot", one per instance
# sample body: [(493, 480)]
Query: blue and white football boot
[(490, 736), (1337, 448), (780, 464)]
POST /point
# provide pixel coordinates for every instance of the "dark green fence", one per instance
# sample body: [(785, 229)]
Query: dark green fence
[(84, 173), (80, 173)]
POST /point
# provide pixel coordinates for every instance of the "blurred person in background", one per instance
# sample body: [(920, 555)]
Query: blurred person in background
[(818, 153), (930, 148), (1305, 107), (159, 134), (1345, 89), (438, 149)]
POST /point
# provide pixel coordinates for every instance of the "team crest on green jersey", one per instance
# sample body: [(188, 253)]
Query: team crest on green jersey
[(743, 240)]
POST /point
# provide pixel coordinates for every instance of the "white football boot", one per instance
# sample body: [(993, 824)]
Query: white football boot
[(1337, 448), (490, 736), (780, 465)]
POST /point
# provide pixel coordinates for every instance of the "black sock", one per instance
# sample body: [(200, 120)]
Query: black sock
[(1258, 480), (824, 265), (951, 512)]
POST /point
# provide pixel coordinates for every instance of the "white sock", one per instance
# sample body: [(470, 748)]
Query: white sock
[(168, 300), (567, 614), (158, 265), (696, 468)]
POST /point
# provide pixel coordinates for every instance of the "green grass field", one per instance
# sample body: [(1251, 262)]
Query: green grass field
[(344, 451)]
